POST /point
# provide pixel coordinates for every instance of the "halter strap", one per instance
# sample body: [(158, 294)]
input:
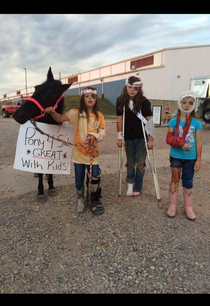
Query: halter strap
[(41, 108)]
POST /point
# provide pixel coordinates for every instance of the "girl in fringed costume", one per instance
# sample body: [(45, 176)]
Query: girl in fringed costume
[(87, 121)]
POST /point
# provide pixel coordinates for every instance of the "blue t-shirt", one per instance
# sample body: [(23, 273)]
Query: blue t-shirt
[(189, 139)]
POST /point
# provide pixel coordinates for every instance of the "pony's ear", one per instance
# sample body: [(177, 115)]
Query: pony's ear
[(50, 76), (65, 87)]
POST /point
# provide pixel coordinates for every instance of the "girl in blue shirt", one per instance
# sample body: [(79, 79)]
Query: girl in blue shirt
[(185, 159)]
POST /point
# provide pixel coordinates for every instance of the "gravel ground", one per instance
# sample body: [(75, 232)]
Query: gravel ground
[(132, 248)]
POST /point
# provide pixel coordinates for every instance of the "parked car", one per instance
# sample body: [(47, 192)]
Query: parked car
[(10, 109)]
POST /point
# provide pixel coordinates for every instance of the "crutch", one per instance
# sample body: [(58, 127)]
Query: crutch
[(120, 157), (153, 169)]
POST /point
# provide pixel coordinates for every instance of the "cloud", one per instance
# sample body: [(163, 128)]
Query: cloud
[(79, 42)]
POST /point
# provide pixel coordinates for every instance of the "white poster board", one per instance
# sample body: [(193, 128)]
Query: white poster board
[(39, 153), (157, 109)]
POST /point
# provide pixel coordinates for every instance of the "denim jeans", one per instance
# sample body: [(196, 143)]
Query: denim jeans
[(136, 153), (80, 174), (188, 171)]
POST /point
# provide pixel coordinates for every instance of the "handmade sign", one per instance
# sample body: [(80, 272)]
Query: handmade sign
[(41, 154), (157, 109)]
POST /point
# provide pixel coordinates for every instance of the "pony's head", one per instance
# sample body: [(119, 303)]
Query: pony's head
[(46, 94)]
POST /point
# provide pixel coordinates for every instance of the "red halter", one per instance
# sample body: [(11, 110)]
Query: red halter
[(41, 108)]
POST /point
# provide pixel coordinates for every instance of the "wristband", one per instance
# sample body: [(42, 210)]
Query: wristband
[(183, 145), (119, 135)]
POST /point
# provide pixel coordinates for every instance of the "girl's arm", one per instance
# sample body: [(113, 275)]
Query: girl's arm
[(169, 134), (119, 130), (99, 135), (197, 165), (170, 137), (57, 117), (150, 142)]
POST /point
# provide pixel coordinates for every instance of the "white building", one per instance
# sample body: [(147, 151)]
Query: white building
[(165, 74)]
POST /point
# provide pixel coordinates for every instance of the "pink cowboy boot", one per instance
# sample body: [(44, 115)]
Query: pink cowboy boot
[(188, 206), (172, 204)]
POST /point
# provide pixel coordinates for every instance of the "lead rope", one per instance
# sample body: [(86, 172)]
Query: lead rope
[(92, 146), (85, 145)]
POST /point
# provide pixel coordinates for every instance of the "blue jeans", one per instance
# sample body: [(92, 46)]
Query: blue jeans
[(187, 166), (136, 153), (80, 174)]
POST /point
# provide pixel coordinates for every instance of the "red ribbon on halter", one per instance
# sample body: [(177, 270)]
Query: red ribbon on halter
[(41, 108)]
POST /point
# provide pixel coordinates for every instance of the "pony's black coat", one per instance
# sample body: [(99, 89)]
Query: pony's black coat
[(46, 94)]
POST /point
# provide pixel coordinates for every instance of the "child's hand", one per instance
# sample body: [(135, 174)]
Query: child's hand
[(150, 144), (119, 143), (197, 165), (92, 139), (185, 147), (49, 110)]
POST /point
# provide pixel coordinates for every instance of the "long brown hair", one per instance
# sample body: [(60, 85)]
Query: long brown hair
[(83, 106), (137, 100)]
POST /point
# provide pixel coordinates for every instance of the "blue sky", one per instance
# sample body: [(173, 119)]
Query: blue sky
[(75, 43)]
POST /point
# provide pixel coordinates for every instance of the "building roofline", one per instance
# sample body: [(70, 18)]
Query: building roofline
[(125, 60), (139, 56), (185, 47)]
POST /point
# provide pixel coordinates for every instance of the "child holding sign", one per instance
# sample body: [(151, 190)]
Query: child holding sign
[(87, 121)]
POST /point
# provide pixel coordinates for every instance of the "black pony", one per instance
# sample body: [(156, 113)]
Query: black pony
[(46, 94)]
